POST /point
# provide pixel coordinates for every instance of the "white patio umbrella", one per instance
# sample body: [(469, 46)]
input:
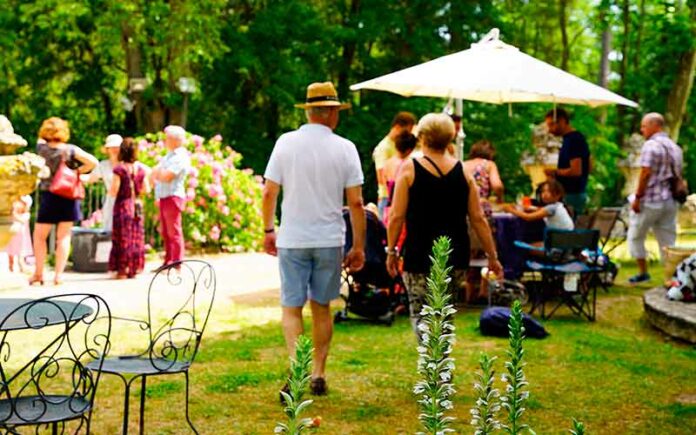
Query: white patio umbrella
[(492, 71)]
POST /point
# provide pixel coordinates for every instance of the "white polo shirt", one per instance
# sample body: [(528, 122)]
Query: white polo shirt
[(314, 166)]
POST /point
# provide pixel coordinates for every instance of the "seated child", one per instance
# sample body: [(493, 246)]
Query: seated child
[(553, 212)]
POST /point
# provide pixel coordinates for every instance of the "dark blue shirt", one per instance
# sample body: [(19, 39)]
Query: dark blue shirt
[(574, 147)]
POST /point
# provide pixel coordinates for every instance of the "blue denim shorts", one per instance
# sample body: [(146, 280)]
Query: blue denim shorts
[(313, 273)]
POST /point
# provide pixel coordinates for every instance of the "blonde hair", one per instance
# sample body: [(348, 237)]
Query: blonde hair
[(436, 130), (54, 129)]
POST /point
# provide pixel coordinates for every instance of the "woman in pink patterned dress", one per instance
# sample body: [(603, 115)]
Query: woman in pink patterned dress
[(484, 171), (128, 236)]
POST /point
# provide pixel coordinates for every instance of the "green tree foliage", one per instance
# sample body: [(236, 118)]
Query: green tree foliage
[(252, 59)]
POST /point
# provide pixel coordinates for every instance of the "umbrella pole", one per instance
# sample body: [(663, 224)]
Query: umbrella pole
[(460, 135)]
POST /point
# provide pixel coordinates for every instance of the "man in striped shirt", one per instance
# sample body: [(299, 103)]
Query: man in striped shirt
[(653, 206)]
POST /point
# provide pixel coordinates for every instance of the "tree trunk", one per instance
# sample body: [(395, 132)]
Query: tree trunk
[(639, 37), (603, 78), (563, 22), (604, 65), (623, 66), (349, 49), (681, 88), (134, 119)]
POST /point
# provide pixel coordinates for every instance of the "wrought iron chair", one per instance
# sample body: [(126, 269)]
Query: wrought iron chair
[(561, 273), (186, 291), (53, 389)]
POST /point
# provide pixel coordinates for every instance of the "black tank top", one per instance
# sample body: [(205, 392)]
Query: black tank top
[(437, 206)]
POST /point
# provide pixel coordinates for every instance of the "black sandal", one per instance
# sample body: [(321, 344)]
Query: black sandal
[(318, 387)]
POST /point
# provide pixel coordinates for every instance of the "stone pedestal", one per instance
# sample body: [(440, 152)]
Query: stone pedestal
[(19, 175), (686, 217), (631, 174), (677, 319), (536, 173), (5, 234), (544, 156)]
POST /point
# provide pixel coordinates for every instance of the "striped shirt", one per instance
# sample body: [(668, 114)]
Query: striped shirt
[(660, 153), (178, 162)]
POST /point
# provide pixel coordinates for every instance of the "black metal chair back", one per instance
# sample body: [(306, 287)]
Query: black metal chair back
[(187, 289), (45, 346), (563, 249), (564, 245)]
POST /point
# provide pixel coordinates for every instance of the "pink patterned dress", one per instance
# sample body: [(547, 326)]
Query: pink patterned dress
[(483, 182), (128, 234)]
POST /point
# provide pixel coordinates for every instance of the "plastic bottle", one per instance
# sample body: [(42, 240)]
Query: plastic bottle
[(492, 279)]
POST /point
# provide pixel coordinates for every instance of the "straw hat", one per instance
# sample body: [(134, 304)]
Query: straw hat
[(322, 95)]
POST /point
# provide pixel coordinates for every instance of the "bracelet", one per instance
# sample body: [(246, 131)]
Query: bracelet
[(392, 251), (269, 230)]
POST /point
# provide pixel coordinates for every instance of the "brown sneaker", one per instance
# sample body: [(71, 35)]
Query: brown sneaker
[(318, 387)]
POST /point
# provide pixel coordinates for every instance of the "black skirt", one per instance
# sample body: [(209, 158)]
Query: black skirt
[(54, 209)]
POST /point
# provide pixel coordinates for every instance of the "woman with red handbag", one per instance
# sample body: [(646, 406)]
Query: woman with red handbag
[(60, 194)]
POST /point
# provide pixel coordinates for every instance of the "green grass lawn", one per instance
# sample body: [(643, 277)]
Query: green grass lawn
[(617, 375)]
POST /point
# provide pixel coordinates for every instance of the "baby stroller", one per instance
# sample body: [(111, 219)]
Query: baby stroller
[(373, 295)]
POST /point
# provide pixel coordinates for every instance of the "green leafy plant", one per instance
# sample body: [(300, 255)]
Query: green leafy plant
[(515, 394), (487, 403), (578, 428), (488, 400), (435, 365), (300, 369)]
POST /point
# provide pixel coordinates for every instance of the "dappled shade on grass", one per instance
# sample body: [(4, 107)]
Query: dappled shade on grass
[(618, 376)]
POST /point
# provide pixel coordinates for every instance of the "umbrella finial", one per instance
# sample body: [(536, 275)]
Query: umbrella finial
[(493, 35)]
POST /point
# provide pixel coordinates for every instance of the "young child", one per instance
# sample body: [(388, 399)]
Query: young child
[(553, 212), (20, 244)]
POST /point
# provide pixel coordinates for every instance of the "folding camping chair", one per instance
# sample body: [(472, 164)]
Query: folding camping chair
[(612, 229), (564, 272)]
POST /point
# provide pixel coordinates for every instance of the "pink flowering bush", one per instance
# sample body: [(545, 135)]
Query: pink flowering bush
[(223, 202)]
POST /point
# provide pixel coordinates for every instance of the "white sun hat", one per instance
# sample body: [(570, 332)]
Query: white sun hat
[(113, 141)]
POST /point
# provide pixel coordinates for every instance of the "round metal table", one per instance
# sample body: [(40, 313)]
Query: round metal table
[(33, 313)]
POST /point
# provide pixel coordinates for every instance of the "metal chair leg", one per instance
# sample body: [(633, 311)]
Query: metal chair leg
[(188, 419), (125, 409), (142, 406)]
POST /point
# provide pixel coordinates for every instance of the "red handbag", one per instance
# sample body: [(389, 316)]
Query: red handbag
[(66, 183)]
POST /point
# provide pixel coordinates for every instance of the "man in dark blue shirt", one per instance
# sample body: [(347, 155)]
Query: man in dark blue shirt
[(573, 160)]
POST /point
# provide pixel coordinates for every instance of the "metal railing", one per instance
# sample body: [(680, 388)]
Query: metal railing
[(95, 193)]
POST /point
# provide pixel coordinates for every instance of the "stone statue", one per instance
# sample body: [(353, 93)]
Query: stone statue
[(19, 175)]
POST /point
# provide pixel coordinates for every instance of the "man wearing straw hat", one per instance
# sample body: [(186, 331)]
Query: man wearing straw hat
[(315, 168)]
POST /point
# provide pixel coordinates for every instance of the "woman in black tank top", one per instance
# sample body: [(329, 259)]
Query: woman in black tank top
[(433, 197)]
